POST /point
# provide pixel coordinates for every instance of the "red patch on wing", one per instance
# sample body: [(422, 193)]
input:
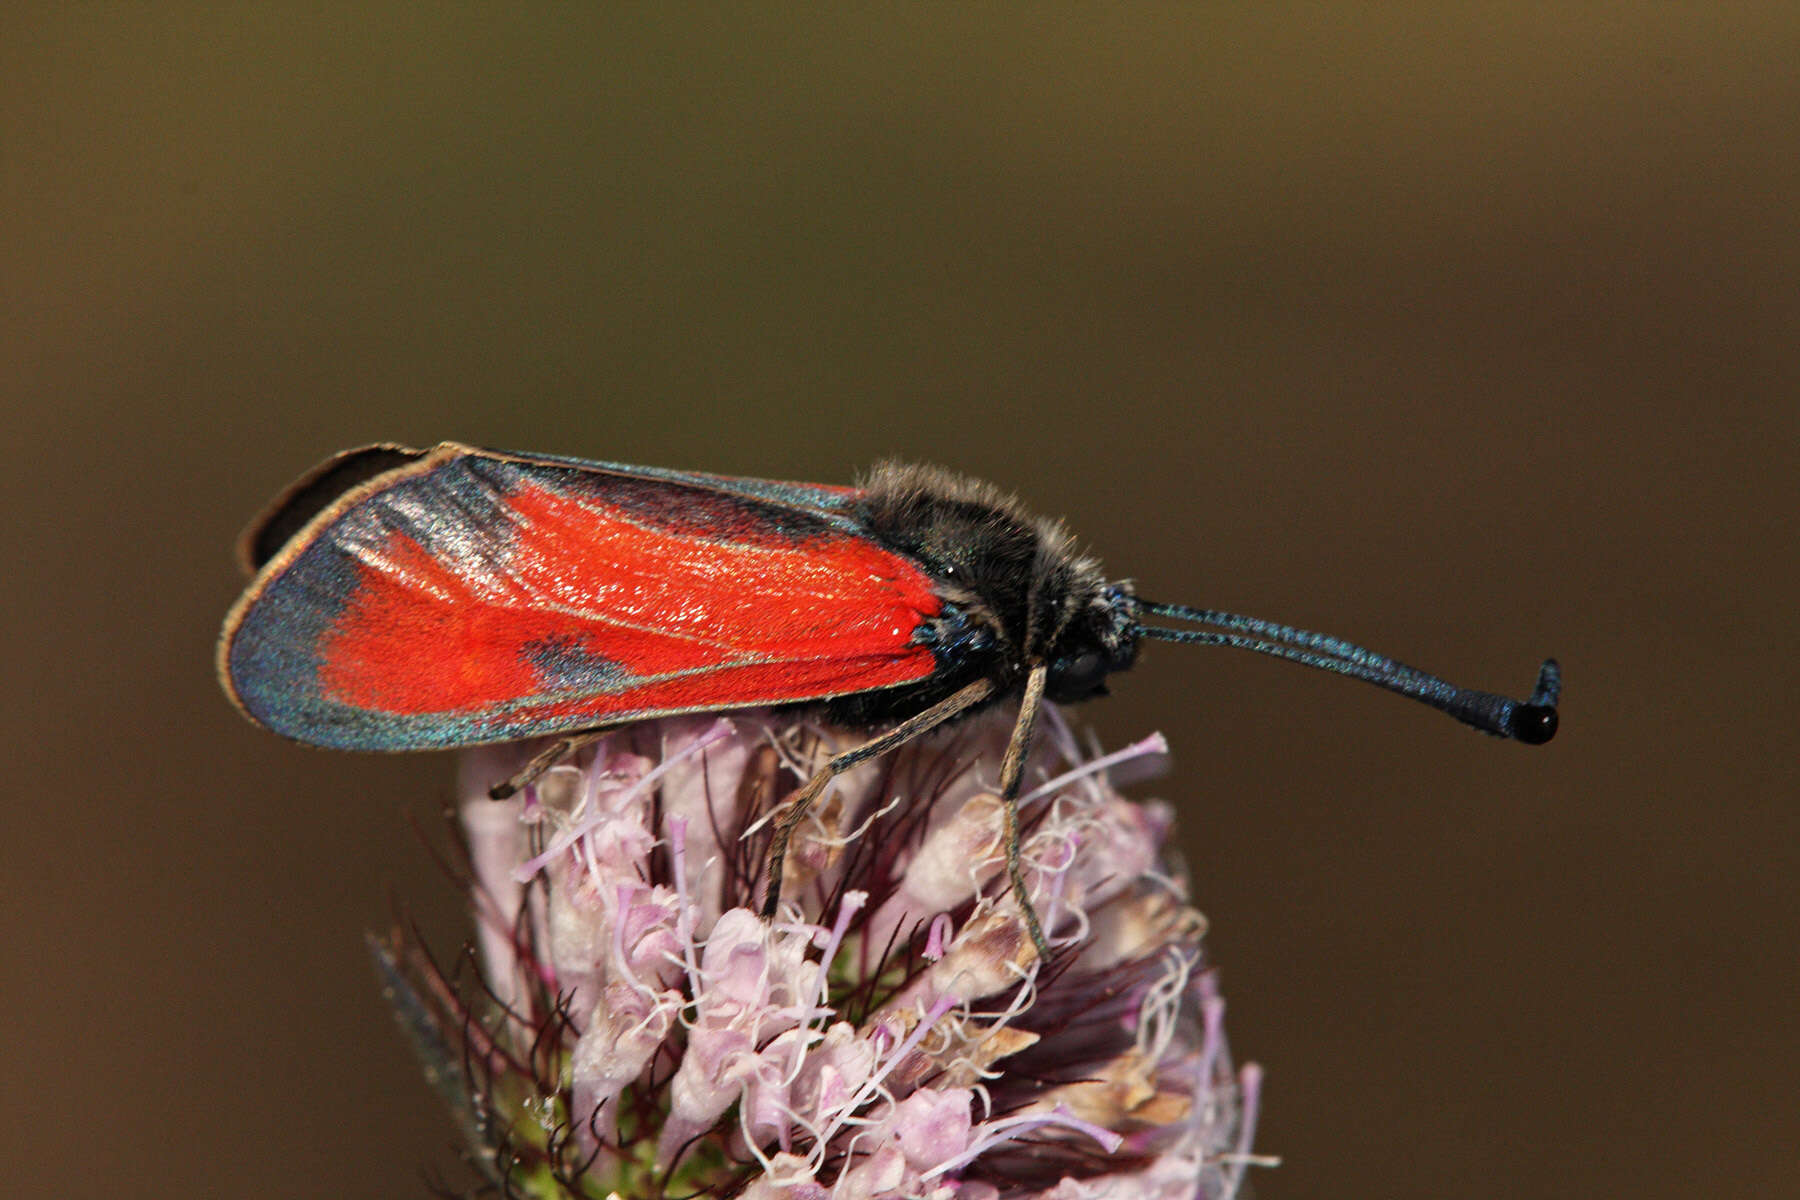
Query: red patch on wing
[(656, 618)]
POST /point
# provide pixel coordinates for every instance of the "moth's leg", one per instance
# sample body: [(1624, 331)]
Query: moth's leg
[(1012, 773), (552, 754), (900, 734)]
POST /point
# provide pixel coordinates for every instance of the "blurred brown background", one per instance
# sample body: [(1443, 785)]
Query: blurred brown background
[(1473, 336)]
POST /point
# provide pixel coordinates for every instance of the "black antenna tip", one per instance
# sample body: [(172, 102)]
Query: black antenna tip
[(1533, 724)]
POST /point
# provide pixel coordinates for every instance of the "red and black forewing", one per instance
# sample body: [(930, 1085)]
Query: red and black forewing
[(468, 596)]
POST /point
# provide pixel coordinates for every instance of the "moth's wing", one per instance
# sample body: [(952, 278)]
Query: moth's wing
[(311, 494), (304, 499), (467, 596)]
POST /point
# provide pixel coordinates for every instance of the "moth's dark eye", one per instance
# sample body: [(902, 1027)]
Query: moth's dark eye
[(1078, 677)]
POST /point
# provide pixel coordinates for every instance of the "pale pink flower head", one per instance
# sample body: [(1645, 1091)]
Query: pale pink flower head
[(638, 1030)]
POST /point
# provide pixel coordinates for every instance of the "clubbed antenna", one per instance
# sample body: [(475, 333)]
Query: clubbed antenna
[(1530, 721)]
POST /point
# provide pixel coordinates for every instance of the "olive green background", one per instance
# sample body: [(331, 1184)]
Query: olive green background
[(1472, 334)]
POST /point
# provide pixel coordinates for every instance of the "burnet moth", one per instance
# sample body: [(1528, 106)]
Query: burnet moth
[(421, 599)]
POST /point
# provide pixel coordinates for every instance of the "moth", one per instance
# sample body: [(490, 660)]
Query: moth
[(409, 599)]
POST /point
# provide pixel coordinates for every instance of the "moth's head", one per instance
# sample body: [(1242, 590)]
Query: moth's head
[(1099, 638)]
